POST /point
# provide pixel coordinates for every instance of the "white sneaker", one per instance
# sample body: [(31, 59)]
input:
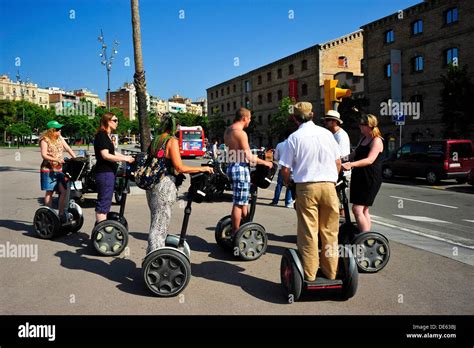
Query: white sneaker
[(291, 205)]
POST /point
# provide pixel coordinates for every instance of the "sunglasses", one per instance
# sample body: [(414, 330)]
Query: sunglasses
[(57, 129), (114, 120)]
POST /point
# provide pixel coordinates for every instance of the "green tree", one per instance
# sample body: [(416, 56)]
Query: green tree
[(217, 126), (19, 130), (457, 102), (280, 123)]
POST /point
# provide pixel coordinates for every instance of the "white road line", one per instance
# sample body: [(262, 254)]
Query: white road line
[(468, 220), (423, 234), (415, 200), (422, 219)]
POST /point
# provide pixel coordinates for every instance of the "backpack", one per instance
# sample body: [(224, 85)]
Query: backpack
[(151, 167)]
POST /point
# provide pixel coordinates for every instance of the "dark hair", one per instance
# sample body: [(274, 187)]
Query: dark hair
[(240, 114), (168, 124), (104, 121)]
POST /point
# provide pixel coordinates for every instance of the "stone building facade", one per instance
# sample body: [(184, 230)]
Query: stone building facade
[(297, 76), (429, 35)]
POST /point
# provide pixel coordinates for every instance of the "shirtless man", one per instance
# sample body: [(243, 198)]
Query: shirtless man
[(240, 158)]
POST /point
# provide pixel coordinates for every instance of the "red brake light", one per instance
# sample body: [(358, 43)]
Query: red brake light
[(446, 165)]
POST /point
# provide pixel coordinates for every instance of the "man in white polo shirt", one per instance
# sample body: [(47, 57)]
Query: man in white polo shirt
[(313, 156)]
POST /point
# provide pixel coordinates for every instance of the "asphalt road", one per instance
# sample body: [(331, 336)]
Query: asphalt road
[(424, 275)]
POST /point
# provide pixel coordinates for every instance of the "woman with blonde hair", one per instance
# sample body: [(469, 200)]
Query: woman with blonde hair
[(366, 171), (52, 146)]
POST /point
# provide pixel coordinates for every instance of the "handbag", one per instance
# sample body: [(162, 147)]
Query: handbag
[(151, 167)]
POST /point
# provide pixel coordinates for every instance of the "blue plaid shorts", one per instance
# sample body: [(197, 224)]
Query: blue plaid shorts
[(240, 176)]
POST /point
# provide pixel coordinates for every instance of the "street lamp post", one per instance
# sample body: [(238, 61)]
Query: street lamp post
[(107, 62), (22, 92)]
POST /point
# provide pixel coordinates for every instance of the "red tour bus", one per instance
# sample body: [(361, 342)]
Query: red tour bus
[(191, 141)]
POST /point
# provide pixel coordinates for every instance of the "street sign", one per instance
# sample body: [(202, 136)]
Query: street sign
[(399, 119), (401, 123)]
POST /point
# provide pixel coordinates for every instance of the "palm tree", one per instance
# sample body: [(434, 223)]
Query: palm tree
[(139, 78)]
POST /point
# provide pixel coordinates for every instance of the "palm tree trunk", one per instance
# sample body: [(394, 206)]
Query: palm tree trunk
[(139, 78)]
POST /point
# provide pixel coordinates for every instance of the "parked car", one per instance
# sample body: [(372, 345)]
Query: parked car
[(433, 160), (470, 177)]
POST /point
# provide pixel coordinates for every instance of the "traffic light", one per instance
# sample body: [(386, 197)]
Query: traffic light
[(333, 94)]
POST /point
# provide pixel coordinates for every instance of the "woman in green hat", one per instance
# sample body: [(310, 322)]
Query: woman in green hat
[(52, 146)]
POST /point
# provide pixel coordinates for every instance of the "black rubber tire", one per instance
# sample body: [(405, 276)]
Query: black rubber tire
[(432, 178), (347, 232), (77, 217), (116, 217), (114, 232), (387, 172), (250, 242), (223, 233), (348, 273), (46, 224), (290, 278), (159, 264), (375, 245)]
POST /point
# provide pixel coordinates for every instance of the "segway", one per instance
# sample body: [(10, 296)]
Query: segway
[(110, 237), (46, 222), (294, 285), (372, 249), (167, 270), (250, 240)]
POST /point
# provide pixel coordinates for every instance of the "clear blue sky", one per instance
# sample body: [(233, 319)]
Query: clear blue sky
[(183, 56)]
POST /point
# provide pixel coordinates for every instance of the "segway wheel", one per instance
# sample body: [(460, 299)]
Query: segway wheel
[(166, 271), (347, 232), (348, 273), (46, 223), (250, 241), (109, 238), (223, 233), (116, 217), (77, 217), (291, 280), (372, 251)]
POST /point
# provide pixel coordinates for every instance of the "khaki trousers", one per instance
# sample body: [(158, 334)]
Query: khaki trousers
[(317, 208)]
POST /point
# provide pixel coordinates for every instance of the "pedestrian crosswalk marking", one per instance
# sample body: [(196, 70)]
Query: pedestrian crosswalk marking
[(422, 219), (468, 220)]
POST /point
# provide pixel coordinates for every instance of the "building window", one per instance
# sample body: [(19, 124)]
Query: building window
[(451, 16), (418, 99), (387, 70), (417, 27), (212, 95), (451, 55), (304, 65), (260, 99), (222, 108), (247, 86), (269, 118), (259, 79), (228, 106), (234, 105), (279, 73), (418, 64), (222, 92), (269, 76), (279, 95), (269, 98), (291, 69), (247, 103), (389, 36), (234, 88), (260, 119), (304, 89), (342, 62), (228, 90)]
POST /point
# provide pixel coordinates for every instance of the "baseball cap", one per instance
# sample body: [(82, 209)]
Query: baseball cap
[(54, 124)]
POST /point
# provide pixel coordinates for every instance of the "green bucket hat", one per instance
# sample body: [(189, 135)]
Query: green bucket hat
[(54, 124)]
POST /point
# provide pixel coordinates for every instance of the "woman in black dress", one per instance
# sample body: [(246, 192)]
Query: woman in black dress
[(366, 177)]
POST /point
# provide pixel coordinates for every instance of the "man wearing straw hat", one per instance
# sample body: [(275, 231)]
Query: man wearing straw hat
[(333, 122), (314, 157)]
